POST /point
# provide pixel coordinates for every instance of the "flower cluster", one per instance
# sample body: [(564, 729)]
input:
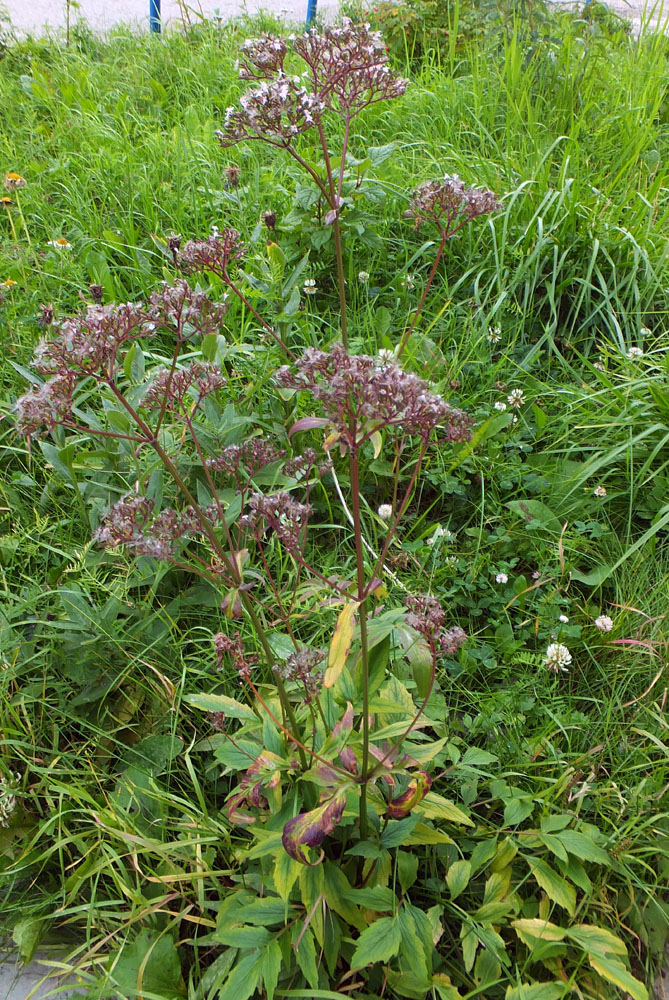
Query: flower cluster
[(234, 647), (170, 388), (250, 456), (361, 395), (301, 667), (186, 311), (557, 657), (427, 617), (90, 342), (281, 513), (450, 204), (8, 798), (347, 68), (131, 522), (46, 405), (301, 466), (604, 623), (213, 253)]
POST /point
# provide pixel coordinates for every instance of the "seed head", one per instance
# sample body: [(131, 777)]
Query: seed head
[(46, 405), (213, 253), (199, 378), (281, 513)]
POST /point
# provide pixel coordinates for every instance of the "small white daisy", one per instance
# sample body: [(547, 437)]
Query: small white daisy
[(604, 623), (494, 334), (408, 282), (386, 355), (60, 244)]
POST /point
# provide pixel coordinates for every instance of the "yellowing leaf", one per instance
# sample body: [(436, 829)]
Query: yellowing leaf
[(458, 876), (341, 644), (377, 443), (616, 973), (555, 886), (436, 806)]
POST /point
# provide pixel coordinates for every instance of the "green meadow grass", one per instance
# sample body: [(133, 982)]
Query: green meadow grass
[(115, 139)]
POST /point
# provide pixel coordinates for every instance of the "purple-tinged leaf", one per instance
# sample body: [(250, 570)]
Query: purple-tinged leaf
[(345, 724), (307, 424), (311, 828), (347, 757), (417, 789), (331, 216)]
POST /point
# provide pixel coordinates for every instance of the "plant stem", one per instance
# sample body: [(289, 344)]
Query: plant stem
[(334, 205), (364, 652)]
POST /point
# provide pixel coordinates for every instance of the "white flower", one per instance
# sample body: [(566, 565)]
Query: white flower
[(363, 277), (516, 398), (494, 334), (599, 366), (7, 797), (499, 405), (558, 657), (501, 578), (604, 623), (599, 491), (634, 353), (61, 244), (309, 286), (386, 355), (563, 619), (440, 533), (645, 332), (385, 511), (408, 282)]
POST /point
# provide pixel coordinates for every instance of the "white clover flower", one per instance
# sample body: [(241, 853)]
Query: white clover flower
[(440, 533), (604, 623), (501, 578), (599, 366), (385, 511), (634, 353), (563, 619), (60, 244), (386, 355), (516, 398), (557, 657), (494, 334), (363, 277), (309, 287), (645, 332), (501, 406), (599, 491), (408, 282)]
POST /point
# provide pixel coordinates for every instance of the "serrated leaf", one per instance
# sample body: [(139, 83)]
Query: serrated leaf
[(457, 877), (221, 703), (286, 871), (555, 886), (341, 643), (379, 943), (270, 967)]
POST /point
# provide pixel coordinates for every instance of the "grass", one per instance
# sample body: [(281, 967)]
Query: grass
[(115, 139)]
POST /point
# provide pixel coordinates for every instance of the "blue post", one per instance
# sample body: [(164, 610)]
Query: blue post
[(311, 11), (154, 15)]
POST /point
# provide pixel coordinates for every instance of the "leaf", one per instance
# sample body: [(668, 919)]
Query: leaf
[(310, 829), (536, 991), (616, 973), (379, 943), (270, 968), (424, 834), (516, 810), (26, 934), (398, 832), (488, 429), (341, 643), (437, 807), (307, 424), (305, 954), (379, 898), (535, 511), (149, 964), (457, 877), (555, 886), (243, 936), (242, 981), (583, 847), (221, 703), (418, 786), (597, 940)]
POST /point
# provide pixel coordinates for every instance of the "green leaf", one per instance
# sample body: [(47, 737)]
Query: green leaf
[(286, 871), (243, 936), (379, 943), (221, 703), (244, 978), (536, 991), (424, 834), (457, 877), (583, 847), (149, 964), (398, 831), (270, 968), (435, 806), (534, 511), (555, 886), (306, 955), (378, 898), (516, 810), (535, 933), (26, 934), (597, 940), (616, 973), (488, 429)]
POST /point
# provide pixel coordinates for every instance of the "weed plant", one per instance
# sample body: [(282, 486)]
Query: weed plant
[(333, 561)]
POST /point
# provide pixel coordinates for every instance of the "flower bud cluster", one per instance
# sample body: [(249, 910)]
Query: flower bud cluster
[(262, 58), (88, 343), (170, 388), (281, 513), (234, 647), (360, 395), (276, 111), (131, 522), (301, 466), (427, 617), (301, 667), (249, 457), (186, 311), (213, 253), (449, 203)]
